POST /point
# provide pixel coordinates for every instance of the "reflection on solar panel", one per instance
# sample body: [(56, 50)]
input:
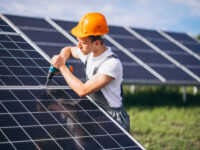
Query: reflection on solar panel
[(47, 38), (53, 119)]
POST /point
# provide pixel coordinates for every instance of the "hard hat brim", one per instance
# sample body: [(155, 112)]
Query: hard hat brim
[(76, 31)]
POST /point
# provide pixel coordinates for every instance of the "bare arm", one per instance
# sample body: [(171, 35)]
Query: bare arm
[(97, 82), (68, 52)]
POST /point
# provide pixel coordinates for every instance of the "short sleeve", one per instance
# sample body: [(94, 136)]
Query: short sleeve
[(111, 67), (81, 56)]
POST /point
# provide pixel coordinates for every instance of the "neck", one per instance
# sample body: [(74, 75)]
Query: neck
[(97, 52)]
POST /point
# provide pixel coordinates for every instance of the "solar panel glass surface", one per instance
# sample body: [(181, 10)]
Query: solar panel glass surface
[(21, 64), (66, 25), (47, 38), (176, 52), (41, 32), (40, 120), (149, 56), (186, 40), (4, 27)]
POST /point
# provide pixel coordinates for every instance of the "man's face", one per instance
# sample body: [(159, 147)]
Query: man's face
[(85, 44)]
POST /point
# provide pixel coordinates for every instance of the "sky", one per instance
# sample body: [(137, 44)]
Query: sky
[(167, 15)]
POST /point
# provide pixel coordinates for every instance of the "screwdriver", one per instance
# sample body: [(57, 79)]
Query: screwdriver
[(53, 70)]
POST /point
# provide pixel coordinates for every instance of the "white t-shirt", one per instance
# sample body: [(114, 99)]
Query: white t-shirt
[(111, 67)]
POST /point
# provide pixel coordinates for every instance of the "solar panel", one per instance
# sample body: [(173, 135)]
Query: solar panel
[(137, 47), (16, 62), (186, 40), (66, 25), (41, 120), (21, 64), (155, 60), (174, 51), (47, 38)]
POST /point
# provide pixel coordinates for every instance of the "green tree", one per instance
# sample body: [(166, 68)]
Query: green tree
[(198, 37)]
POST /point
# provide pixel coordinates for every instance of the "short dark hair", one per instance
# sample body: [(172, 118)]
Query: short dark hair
[(98, 37)]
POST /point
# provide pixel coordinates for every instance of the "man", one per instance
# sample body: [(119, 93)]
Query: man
[(103, 69)]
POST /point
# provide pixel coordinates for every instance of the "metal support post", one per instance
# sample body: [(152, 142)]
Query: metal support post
[(184, 96)]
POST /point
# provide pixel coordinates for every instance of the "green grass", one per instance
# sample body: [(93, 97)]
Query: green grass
[(160, 120)]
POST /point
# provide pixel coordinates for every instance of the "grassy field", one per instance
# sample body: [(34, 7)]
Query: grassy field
[(160, 120)]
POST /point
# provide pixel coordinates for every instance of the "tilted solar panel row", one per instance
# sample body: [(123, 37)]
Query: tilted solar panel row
[(174, 51), (149, 56), (144, 66), (56, 119), (47, 38), (187, 41)]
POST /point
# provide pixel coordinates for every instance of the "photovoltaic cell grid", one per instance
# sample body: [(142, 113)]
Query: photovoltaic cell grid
[(51, 119), (186, 41), (184, 58), (4, 27), (47, 38), (41, 32), (66, 25), (20, 64), (149, 56)]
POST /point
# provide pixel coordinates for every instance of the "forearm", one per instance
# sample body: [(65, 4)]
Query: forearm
[(66, 53), (75, 84)]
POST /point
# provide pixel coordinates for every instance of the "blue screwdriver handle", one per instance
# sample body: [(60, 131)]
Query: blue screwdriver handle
[(54, 69)]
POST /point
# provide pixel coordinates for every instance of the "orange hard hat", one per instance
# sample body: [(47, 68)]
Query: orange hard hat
[(91, 24)]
